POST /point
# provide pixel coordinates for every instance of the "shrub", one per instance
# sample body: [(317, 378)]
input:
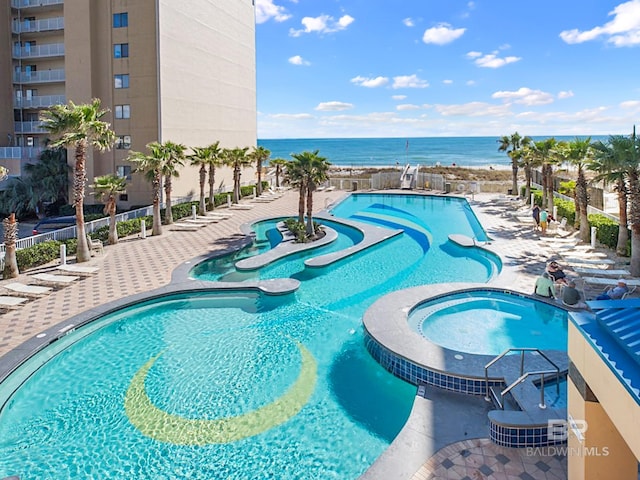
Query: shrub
[(607, 231), (43, 253), (566, 208)]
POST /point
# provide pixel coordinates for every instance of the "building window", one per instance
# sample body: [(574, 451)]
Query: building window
[(124, 171), (120, 20), (121, 50), (121, 81), (124, 197), (123, 111), (123, 142)]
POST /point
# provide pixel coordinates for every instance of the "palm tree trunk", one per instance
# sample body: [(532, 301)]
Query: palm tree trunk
[(259, 185), (634, 220), (550, 188), (278, 176), (582, 201), (212, 184), (527, 188), (514, 172), (236, 183), (113, 230), (623, 229), (203, 177), (83, 254), (301, 202), (157, 223), (310, 188), (168, 213), (10, 236)]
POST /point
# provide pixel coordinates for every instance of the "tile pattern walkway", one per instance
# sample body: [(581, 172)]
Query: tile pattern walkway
[(138, 265)]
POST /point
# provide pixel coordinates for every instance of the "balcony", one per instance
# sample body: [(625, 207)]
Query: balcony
[(20, 153), (44, 25), (35, 3), (39, 51), (29, 127), (44, 101), (43, 76)]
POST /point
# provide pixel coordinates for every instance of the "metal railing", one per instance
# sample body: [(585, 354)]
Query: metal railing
[(42, 101), (29, 127), (23, 153), (523, 375), (56, 75), (43, 25), (35, 51), (34, 3)]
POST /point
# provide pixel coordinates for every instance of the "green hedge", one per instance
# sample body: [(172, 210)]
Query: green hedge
[(44, 252), (607, 231), (566, 208)]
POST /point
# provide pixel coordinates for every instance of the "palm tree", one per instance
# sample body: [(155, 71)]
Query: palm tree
[(296, 176), (609, 165), (512, 145), (80, 127), (215, 160), (633, 177), (151, 166), (200, 158), (10, 236), (544, 154), (577, 153), (279, 163), (259, 155), (316, 175), (305, 171), (107, 187), (528, 161), (174, 157), (236, 158)]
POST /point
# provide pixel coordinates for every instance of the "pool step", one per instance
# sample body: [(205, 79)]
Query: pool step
[(508, 402)]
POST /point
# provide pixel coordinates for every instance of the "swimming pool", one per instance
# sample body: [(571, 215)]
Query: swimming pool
[(490, 322), (238, 384)]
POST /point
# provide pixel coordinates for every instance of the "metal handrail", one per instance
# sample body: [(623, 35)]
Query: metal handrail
[(523, 377), (522, 373)]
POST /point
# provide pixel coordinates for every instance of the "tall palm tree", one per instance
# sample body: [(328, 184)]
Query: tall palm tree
[(316, 175), (106, 188), (237, 159), (215, 160), (280, 164), (174, 157), (80, 127), (512, 145), (296, 176), (545, 154), (151, 166), (633, 177), (259, 155), (528, 161), (10, 236), (608, 163), (200, 158), (577, 153)]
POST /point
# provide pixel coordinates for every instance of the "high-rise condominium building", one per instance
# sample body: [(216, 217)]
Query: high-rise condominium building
[(166, 70)]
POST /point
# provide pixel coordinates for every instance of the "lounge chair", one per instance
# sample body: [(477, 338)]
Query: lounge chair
[(630, 290), (79, 269), (95, 245), (54, 279), (219, 215), (602, 272), (27, 290), (9, 303), (187, 226), (610, 281), (240, 206)]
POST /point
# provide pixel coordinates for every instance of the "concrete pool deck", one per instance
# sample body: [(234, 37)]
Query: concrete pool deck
[(136, 266)]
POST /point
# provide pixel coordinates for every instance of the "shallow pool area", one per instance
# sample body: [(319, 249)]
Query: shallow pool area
[(490, 323), (239, 384)]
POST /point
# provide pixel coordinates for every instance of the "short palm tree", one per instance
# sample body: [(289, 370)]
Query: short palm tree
[(577, 153), (174, 157), (279, 164), (10, 236), (512, 145), (200, 158), (237, 159), (296, 177), (316, 175), (544, 154), (215, 160), (259, 155), (305, 171), (107, 188), (151, 166), (609, 166), (79, 127)]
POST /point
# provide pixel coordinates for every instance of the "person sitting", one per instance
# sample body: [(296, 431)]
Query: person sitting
[(545, 287), (556, 273), (614, 293), (571, 296)]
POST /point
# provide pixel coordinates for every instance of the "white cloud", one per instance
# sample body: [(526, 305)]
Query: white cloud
[(447, 82), (398, 97), (491, 60), (298, 60), (565, 94), (333, 106), (442, 34), (322, 24), (266, 10), (470, 83), (409, 22), (473, 109), (292, 116), (409, 81), (525, 96), (630, 104), (370, 82), (622, 31), (407, 106)]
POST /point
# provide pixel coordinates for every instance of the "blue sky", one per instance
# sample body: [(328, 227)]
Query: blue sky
[(420, 68)]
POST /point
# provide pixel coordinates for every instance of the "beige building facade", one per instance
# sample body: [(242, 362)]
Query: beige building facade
[(166, 70)]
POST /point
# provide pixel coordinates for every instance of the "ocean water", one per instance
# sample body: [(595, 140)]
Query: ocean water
[(390, 152)]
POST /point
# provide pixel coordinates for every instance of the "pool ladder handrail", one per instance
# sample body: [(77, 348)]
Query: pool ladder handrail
[(523, 376)]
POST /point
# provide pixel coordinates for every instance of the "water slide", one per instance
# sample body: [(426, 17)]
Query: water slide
[(408, 177)]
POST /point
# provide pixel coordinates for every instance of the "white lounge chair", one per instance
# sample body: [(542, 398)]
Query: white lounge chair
[(79, 269), (9, 303), (52, 278), (240, 206), (602, 272), (27, 290), (634, 282), (219, 215), (186, 226)]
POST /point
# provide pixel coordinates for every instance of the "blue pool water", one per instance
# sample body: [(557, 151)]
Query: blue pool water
[(555, 394), (489, 322), (209, 365)]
